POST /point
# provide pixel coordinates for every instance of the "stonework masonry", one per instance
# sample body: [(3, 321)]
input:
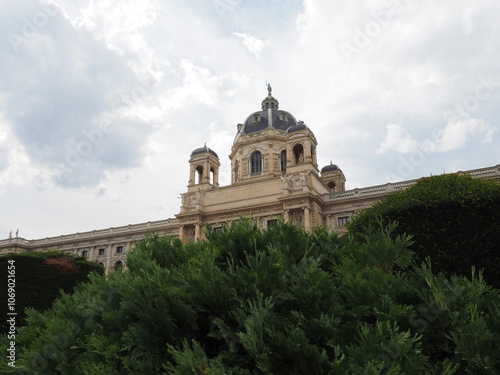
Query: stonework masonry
[(274, 174)]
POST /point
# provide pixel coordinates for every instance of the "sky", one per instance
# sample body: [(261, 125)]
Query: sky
[(103, 101)]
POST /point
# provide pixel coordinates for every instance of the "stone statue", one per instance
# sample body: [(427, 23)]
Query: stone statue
[(10, 235), (17, 233)]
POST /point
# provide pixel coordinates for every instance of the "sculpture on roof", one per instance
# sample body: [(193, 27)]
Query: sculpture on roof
[(269, 88)]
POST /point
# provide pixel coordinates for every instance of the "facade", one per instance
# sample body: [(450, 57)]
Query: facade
[(274, 173)]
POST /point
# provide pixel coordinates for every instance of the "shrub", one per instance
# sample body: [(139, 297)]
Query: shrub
[(454, 220)]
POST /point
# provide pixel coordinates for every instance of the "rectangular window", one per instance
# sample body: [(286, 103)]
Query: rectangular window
[(272, 223), (343, 220), (283, 161), (102, 251), (119, 249), (85, 253)]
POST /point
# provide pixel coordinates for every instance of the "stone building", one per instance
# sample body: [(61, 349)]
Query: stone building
[(274, 173)]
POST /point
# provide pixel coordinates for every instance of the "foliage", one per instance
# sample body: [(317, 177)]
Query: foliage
[(280, 301), (39, 278), (454, 220)]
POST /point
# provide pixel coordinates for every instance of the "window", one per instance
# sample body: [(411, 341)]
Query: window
[(256, 117), (343, 220), (272, 223), (199, 171), (332, 186), (298, 151), (85, 253), (118, 265), (283, 161), (119, 249), (256, 162), (102, 251)]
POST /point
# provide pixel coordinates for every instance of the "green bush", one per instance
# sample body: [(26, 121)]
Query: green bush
[(280, 301), (454, 220), (39, 280)]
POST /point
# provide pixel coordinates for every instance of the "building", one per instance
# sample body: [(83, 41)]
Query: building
[(274, 173)]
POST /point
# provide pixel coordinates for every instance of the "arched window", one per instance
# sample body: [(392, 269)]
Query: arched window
[(118, 265), (298, 151), (256, 162), (331, 185), (212, 176), (199, 177), (283, 161)]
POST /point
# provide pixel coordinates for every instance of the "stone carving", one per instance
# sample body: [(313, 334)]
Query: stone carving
[(262, 148), (295, 182), (194, 199), (190, 233)]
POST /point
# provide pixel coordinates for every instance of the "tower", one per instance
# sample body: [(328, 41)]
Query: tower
[(204, 169), (271, 143), (333, 177)]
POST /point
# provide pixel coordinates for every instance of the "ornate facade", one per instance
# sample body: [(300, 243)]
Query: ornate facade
[(274, 173)]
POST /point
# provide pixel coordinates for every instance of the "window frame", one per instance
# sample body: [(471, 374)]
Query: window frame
[(256, 162)]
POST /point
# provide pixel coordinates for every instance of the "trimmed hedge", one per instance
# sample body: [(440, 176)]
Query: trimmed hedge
[(454, 220), (39, 280)]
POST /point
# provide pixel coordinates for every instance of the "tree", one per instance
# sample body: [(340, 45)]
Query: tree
[(454, 220), (280, 301), (37, 280)]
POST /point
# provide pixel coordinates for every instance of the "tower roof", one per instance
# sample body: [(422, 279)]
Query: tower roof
[(331, 167), (204, 149)]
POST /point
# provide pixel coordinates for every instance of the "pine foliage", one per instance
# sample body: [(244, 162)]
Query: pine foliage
[(280, 301)]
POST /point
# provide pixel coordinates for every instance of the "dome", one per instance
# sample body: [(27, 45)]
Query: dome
[(329, 168), (261, 120), (295, 128), (203, 149)]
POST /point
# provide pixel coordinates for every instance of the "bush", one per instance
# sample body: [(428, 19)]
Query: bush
[(39, 280), (280, 301), (454, 220)]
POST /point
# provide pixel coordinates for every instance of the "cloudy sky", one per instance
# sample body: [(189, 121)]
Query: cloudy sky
[(102, 102)]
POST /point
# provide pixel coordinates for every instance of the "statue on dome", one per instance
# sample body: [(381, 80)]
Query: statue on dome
[(269, 89)]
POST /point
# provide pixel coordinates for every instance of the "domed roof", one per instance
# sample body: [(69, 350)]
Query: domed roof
[(261, 120), (331, 167), (295, 128), (204, 149)]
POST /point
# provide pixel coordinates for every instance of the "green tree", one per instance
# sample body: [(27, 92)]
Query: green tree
[(454, 220), (280, 301)]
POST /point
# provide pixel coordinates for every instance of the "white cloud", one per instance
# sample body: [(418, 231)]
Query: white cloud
[(398, 140), (91, 59), (254, 45), (455, 135)]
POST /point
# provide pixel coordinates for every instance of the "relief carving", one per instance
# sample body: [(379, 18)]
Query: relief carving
[(262, 148), (295, 182)]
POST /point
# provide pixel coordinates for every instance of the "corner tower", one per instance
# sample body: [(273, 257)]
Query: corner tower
[(203, 169)]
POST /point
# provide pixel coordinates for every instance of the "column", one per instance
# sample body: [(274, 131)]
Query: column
[(307, 218), (109, 250), (197, 232), (286, 216), (182, 233)]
